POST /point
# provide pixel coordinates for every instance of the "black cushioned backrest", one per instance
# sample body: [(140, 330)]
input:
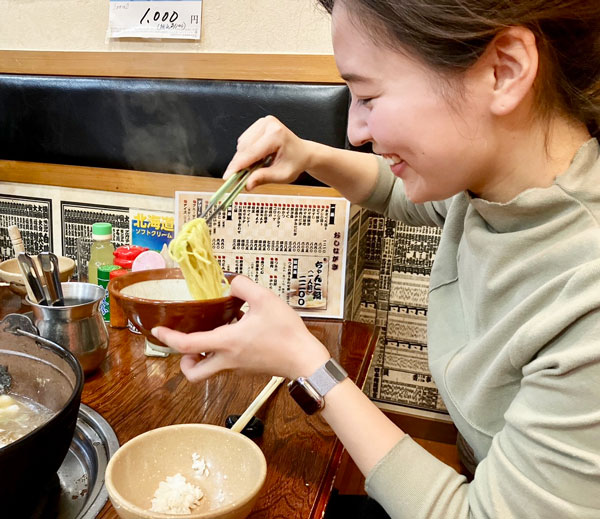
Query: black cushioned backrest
[(162, 125)]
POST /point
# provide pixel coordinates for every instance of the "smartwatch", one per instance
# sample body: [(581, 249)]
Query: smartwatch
[(309, 392)]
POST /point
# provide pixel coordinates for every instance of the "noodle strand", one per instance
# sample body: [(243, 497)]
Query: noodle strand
[(192, 250)]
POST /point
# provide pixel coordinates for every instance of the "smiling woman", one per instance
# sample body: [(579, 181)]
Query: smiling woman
[(468, 111), (486, 116)]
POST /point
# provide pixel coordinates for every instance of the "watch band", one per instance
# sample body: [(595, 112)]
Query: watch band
[(327, 376)]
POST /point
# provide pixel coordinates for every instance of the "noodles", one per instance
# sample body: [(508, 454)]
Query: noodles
[(192, 250)]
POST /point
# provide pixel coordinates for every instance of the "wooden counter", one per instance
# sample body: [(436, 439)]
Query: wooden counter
[(136, 393)]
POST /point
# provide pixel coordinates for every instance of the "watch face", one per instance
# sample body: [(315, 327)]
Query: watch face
[(305, 396)]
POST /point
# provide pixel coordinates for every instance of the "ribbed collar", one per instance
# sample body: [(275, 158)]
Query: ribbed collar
[(534, 206)]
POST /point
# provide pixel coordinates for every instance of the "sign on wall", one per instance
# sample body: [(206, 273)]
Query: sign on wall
[(179, 19), (152, 229), (33, 217)]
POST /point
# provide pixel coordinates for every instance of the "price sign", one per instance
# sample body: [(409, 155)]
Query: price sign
[(155, 19)]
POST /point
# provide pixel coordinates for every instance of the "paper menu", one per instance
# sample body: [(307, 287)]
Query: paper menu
[(294, 245)]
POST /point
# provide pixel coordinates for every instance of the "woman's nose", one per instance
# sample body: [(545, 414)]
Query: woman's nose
[(358, 129)]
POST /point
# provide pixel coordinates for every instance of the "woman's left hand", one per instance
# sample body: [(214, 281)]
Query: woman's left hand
[(270, 338)]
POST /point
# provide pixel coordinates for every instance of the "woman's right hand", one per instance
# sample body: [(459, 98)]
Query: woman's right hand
[(352, 173), (269, 136)]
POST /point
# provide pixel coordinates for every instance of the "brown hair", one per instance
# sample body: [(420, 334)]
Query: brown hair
[(450, 35)]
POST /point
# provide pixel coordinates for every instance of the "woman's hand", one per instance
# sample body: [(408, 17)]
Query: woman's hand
[(268, 136), (270, 338), (352, 173)]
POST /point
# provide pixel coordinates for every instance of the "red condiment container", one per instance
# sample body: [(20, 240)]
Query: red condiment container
[(125, 255), (118, 319)]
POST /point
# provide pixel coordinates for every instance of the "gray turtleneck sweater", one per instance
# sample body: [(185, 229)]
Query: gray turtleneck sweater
[(514, 348)]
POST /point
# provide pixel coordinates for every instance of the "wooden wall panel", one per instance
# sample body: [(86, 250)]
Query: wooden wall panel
[(137, 182), (250, 67)]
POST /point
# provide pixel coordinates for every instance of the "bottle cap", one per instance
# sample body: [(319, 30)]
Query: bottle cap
[(101, 231), (125, 255), (105, 270), (117, 272)]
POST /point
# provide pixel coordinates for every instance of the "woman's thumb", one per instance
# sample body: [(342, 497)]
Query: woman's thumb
[(247, 290)]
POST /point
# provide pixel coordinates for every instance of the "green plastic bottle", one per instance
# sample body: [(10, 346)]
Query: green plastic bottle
[(103, 280), (101, 251)]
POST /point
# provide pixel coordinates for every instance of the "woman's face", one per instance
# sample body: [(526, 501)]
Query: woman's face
[(438, 149)]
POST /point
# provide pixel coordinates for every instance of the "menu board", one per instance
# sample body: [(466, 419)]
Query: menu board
[(296, 246), (32, 216), (398, 260)]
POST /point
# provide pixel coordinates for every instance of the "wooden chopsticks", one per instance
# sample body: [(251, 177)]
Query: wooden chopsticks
[(258, 402)]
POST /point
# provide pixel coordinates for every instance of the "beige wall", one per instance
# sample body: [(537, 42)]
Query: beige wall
[(236, 26)]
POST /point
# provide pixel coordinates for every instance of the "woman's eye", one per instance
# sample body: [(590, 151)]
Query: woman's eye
[(364, 100)]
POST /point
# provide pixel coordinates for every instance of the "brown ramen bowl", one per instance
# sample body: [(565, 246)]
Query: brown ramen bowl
[(160, 297)]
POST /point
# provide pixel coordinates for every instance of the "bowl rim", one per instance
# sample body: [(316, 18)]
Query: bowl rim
[(116, 292), (70, 267), (68, 284), (209, 514), (71, 262)]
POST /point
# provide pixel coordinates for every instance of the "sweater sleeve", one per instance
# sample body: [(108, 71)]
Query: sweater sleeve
[(544, 462), (389, 199)]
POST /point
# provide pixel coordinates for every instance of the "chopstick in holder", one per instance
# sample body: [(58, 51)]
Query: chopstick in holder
[(258, 402), (49, 263), (32, 278), (232, 187), (18, 246)]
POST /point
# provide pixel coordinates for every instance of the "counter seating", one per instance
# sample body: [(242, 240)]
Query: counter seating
[(177, 126)]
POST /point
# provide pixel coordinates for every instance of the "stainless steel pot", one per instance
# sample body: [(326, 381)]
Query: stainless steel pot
[(78, 325), (51, 375)]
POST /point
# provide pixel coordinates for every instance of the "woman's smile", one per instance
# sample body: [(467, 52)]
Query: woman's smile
[(397, 165)]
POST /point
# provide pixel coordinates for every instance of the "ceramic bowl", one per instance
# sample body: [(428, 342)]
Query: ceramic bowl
[(236, 471), (160, 297), (10, 273)]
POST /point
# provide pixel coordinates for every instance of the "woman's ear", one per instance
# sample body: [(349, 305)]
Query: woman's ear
[(513, 59)]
